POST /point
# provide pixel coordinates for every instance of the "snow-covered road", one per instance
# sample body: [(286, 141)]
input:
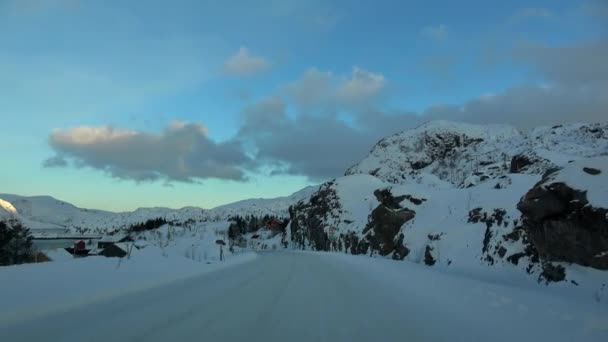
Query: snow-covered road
[(323, 297)]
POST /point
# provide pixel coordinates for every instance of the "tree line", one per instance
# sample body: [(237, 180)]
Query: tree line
[(148, 225)]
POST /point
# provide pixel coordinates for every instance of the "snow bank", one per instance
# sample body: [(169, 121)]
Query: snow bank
[(596, 185), (39, 289), (448, 307)]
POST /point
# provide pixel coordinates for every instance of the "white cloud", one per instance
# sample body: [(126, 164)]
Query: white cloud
[(182, 152), (437, 33), (243, 63)]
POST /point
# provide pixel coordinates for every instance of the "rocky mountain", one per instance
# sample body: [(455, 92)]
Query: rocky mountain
[(470, 196), (462, 155)]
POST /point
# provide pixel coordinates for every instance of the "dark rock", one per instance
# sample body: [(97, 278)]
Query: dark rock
[(514, 235), (416, 201), (563, 227), (553, 273), (421, 164), (434, 237), (519, 162), (474, 215), (514, 258), (385, 223), (428, 257), (502, 251), (592, 171), (387, 199), (486, 240)]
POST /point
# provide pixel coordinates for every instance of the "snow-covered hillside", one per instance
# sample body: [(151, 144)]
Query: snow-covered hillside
[(45, 212)]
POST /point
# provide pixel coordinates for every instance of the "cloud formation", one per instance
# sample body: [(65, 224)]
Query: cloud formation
[(243, 63), (582, 64), (326, 90), (318, 146), (312, 139), (321, 123), (182, 152)]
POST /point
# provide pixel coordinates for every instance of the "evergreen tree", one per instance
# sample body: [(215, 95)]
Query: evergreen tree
[(16, 245), (6, 234)]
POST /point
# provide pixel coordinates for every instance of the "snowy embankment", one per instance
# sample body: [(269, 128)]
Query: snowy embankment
[(34, 290), (448, 306)]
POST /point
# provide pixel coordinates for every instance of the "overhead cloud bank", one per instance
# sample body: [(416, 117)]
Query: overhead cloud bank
[(182, 152), (322, 123)]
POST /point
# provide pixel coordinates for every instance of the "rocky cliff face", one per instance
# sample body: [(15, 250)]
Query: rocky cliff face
[(372, 226), (383, 231), (562, 223)]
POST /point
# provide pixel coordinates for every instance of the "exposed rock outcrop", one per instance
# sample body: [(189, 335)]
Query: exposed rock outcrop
[(563, 225), (311, 221), (308, 218), (385, 224)]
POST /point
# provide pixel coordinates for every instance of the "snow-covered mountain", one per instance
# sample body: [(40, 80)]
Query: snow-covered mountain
[(455, 195), (48, 213), (441, 152)]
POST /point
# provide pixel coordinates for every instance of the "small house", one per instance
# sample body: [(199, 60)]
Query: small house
[(79, 249)]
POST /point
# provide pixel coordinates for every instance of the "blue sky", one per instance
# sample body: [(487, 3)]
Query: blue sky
[(117, 105)]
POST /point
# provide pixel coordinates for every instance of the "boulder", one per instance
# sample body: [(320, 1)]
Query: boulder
[(592, 171), (563, 226)]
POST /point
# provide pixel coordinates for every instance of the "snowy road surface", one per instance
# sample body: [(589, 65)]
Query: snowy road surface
[(323, 297)]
